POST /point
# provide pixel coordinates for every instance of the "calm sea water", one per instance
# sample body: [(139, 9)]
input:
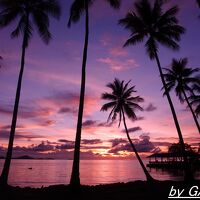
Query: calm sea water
[(92, 172)]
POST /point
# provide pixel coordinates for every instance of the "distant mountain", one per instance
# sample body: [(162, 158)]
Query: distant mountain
[(24, 157)]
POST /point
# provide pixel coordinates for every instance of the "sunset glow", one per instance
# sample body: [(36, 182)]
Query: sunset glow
[(48, 108)]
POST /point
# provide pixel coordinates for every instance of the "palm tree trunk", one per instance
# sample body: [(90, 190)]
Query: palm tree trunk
[(188, 172), (75, 178), (6, 167), (148, 176), (193, 114)]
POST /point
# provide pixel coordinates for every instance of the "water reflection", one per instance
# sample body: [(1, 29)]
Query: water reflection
[(167, 174), (37, 173)]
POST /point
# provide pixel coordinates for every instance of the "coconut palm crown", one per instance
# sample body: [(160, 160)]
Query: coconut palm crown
[(181, 78), (29, 13), (78, 7), (121, 99), (153, 26)]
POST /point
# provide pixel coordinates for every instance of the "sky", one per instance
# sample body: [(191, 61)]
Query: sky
[(47, 116)]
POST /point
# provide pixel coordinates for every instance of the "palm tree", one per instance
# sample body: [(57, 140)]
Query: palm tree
[(77, 9), (195, 99), (180, 77), (151, 24), (28, 12), (121, 102), (176, 148)]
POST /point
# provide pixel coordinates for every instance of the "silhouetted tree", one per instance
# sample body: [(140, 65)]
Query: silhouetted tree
[(180, 78), (121, 103), (77, 9), (28, 13), (150, 23), (176, 148)]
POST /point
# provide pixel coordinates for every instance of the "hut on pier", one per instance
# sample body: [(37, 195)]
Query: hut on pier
[(172, 160)]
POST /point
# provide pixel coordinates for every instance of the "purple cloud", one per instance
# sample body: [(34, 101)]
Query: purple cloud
[(132, 130), (92, 141), (150, 108), (143, 144)]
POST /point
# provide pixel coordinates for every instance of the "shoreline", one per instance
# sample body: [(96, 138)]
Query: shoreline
[(137, 190)]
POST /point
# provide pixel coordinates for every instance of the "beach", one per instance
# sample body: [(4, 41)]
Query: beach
[(137, 190)]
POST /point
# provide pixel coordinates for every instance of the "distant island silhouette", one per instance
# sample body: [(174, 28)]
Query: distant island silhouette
[(26, 157)]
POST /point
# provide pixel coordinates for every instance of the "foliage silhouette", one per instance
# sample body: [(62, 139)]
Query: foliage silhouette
[(195, 99), (181, 78), (176, 148), (28, 13), (150, 23), (78, 7), (122, 103)]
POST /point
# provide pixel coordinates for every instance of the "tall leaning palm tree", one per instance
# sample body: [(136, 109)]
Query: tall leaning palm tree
[(123, 103), (150, 23), (181, 78), (77, 9), (28, 13)]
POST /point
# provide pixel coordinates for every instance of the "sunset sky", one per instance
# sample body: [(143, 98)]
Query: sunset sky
[(50, 92)]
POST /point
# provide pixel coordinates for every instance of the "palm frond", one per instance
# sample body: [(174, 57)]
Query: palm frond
[(9, 15), (20, 27), (151, 48), (149, 22), (128, 92), (169, 87), (168, 17), (114, 3), (77, 8), (144, 10), (136, 99), (137, 38), (121, 93), (133, 22), (111, 115), (28, 33), (167, 41), (181, 78), (126, 86), (108, 106), (50, 7), (129, 112), (29, 12), (42, 23), (134, 106), (157, 11), (108, 96)]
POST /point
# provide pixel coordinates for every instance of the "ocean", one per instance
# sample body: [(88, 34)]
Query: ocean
[(38, 173)]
